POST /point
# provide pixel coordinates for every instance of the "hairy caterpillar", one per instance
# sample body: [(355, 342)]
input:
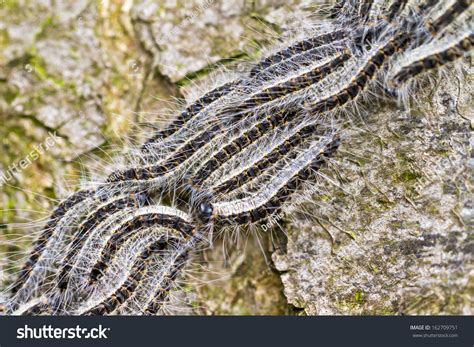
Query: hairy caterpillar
[(434, 60), (276, 154), (191, 111), (300, 47), (41, 242), (243, 150), (270, 198), (142, 220), (137, 272), (102, 212)]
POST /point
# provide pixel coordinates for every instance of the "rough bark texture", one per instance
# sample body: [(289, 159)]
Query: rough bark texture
[(390, 235)]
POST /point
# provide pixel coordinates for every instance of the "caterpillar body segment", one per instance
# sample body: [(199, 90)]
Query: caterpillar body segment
[(288, 124), (296, 83), (434, 60), (362, 78), (146, 217), (395, 8), (456, 9), (162, 293), (88, 254), (185, 152), (281, 149), (102, 212), (364, 9), (297, 48), (300, 61), (191, 111), (137, 272), (45, 235), (270, 199), (248, 137)]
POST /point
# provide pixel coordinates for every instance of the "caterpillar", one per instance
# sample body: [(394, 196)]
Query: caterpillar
[(433, 60), (364, 75), (248, 137), (137, 272), (48, 229), (395, 8), (270, 198), (266, 95), (276, 154), (145, 218), (102, 212), (162, 293), (191, 111), (232, 158), (448, 16), (299, 47), (294, 84)]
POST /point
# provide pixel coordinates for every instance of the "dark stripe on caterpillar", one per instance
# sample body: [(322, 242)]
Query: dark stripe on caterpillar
[(448, 16), (295, 84), (162, 294), (435, 60), (299, 47), (277, 200), (47, 231), (395, 9), (192, 110), (239, 144), (302, 60), (276, 154), (134, 200), (140, 221), (136, 274), (154, 171), (364, 10), (360, 81)]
